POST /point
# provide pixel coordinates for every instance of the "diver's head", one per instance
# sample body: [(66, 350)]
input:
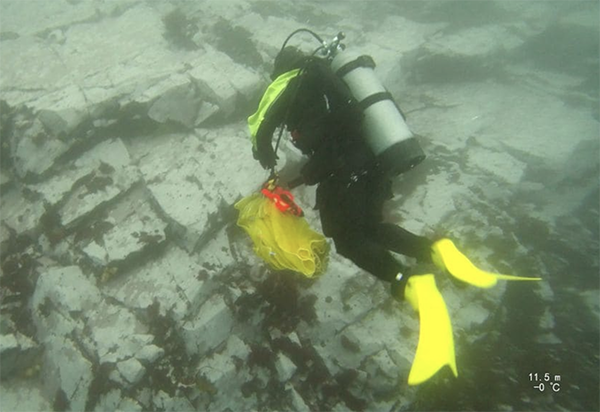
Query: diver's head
[(289, 58)]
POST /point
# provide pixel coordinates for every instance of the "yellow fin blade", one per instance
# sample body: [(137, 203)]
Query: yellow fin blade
[(510, 277), (436, 344), (447, 256)]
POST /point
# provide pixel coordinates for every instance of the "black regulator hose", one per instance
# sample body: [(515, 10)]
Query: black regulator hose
[(321, 47), (315, 35), (320, 40)]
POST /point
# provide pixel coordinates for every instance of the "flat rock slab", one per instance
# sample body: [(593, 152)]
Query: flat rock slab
[(66, 304), (431, 203), (524, 122), (366, 337), (114, 400), (5, 179), (104, 159), (189, 176), (209, 327), (223, 81), (123, 339), (94, 179), (285, 367), (132, 370), (80, 55), (164, 402), (4, 236), (17, 354), (590, 298), (66, 288), (53, 15), (176, 280), (133, 62), (129, 228), (24, 396), (179, 104), (341, 297), (219, 371), (480, 41), (76, 81), (64, 360), (37, 151), (19, 213), (501, 165)]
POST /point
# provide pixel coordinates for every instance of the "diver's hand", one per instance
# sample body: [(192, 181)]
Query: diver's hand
[(267, 158)]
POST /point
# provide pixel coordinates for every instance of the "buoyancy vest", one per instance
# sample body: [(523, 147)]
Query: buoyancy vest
[(275, 89)]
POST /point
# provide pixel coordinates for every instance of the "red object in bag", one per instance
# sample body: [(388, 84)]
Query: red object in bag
[(283, 199)]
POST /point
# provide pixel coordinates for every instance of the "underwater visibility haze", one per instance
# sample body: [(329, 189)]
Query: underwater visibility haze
[(126, 283)]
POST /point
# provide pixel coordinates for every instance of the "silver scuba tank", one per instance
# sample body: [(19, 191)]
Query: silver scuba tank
[(384, 128)]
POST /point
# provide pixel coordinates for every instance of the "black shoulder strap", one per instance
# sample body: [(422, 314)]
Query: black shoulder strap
[(361, 61)]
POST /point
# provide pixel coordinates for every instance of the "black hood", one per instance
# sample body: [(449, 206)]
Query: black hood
[(289, 58)]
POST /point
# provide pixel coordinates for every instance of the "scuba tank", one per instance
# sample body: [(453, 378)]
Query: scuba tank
[(384, 128)]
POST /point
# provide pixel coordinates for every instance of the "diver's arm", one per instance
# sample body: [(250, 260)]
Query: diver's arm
[(274, 117), (264, 152), (314, 171), (324, 162)]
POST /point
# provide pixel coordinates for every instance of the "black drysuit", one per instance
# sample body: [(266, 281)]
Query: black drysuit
[(325, 123)]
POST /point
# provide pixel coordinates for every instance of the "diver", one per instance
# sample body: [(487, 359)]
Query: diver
[(357, 141), (325, 122)]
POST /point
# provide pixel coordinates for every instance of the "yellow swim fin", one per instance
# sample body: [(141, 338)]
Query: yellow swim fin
[(436, 344), (446, 256)]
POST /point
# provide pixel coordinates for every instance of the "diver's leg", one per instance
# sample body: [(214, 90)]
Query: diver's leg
[(389, 236), (368, 255), (402, 241)]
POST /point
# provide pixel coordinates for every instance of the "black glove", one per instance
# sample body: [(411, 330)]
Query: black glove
[(266, 156)]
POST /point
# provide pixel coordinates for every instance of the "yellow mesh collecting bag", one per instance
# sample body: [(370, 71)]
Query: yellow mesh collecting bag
[(282, 240)]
